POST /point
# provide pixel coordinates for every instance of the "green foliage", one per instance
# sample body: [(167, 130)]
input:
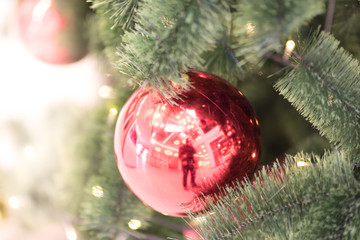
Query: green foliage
[(288, 202), (261, 26), (170, 37), (120, 12), (325, 88), (82, 157), (156, 41), (346, 27), (113, 18), (106, 216), (90, 165), (221, 60), (347, 17)]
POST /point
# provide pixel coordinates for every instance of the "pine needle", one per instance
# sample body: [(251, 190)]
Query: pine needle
[(161, 48), (325, 89), (288, 202), (261, 26)]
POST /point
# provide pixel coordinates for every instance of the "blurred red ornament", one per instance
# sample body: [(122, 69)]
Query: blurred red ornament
[(45, 32), (170, 155)]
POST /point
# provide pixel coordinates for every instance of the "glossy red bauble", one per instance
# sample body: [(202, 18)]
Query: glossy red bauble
[(169, 155), (47, 33)]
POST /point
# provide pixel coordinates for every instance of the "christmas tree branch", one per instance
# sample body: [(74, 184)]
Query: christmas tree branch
[(121, 13), (222, 60), (96, 196), (346, 18), (348, 217), (103, 212), (113, 18), (324, 87), (261, 26), (269, 214), (160, 48), (287, 201)]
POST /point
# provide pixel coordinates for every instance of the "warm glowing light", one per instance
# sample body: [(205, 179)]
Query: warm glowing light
[(253, 155), (113, 111), (158, 149), (168, 152), (134, 224), (176, 142), (290, 45), (105, 91), (40, 10), (250, 28), (157, 115), (29, 153), (14, 202), (71, 234), (303, 164), (97, 191), (112, 114)]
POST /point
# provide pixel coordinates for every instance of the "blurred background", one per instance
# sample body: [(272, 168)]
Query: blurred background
[(38, 95)]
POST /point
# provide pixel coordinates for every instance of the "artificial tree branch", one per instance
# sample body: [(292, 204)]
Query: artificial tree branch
[(279, 59)]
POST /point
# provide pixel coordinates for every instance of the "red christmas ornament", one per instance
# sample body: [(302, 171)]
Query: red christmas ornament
[(170, 155), (45, 32)]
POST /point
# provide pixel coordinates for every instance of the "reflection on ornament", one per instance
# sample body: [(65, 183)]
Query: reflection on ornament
[(170, 155)]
